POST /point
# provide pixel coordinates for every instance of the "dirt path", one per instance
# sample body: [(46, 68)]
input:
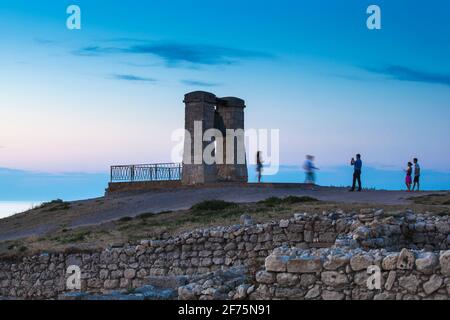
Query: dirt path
[(96, 211)]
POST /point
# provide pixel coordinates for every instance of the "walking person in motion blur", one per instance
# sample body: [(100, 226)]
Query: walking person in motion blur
[(357, 165), (309, 167), (259, 165)]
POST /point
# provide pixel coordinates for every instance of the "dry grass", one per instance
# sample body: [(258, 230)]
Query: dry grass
[(442, 199)]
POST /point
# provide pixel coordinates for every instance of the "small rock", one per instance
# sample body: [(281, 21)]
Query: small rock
[(390, 261), (332, 295), (334, 279), (426, 262), (405, 260), (287, 279), (307, 279), (304, 264), (379, 213), (334, 262), (241, 291), (390, 280), (186, 293), (361, 262), (444, 262), (410, 283), (284, 223), (265, 277), (433, 284), (129, 273), (276, 263), (313, 293), (246, 220), (384, 296)]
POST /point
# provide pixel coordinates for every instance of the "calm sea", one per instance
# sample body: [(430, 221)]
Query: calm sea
[(17, 188), (8, 208)]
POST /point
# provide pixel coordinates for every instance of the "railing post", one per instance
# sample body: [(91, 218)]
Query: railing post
[(132, 173), (111, 174)]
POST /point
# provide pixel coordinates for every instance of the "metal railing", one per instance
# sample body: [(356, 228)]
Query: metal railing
[(146, 172)]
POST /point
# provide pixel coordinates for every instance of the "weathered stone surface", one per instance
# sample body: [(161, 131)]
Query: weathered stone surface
[(444, 262), (265, 277), (433, 284), (129, 273), (427, 262), (390, 261), (334, 279), (361, 262), (276, 263), (111, 284), (242, 292), (390, 280), (410, 283), (306, 264), (384, 296), (313, 293), (284, 223), (332, 295), (334, 262), (307, 280), (405, 260), (287, 279), (186, 293)]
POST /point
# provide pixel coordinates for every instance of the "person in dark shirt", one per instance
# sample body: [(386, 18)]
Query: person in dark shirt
[(357, 165), (259, 165), (416, 174)]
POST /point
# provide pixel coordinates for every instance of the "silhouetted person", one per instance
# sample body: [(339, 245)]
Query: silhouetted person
[(408, 179), (357, 165), (309, 168), (416, 174), (259, 165)]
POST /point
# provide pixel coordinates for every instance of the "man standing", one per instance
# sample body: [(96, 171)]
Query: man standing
[(357, 165), (416, 174)]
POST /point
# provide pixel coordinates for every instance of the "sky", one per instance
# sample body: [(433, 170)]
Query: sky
[(112, 93)]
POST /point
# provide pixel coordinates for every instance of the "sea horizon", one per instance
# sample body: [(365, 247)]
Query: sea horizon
[(21, 190)]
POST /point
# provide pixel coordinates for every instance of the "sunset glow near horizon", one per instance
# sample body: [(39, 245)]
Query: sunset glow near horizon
[(112, 92)]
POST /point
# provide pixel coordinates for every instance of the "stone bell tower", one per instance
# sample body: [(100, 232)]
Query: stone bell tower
[(204, 111)]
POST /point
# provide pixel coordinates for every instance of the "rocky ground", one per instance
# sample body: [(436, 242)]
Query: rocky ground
[(369, 231), (75, 214), (61, 236)]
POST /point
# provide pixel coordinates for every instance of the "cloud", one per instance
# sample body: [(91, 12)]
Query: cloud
[(408, 74), (196, 83), (130, 77), (174, 54)]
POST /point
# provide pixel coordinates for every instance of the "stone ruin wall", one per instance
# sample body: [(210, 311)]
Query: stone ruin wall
[(249, 245), (334, 274)]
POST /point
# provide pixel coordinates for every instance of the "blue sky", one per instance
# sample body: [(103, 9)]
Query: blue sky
[(81, 100)]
